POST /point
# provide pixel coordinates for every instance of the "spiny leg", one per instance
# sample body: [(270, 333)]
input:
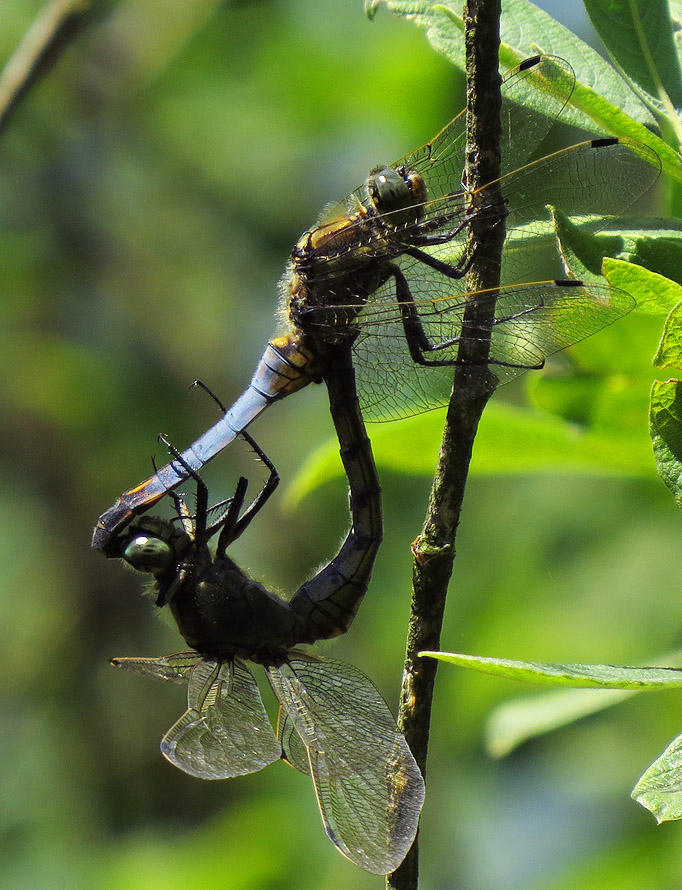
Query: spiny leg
[(200, 518), (267, 490), (273, 479), (209, 392), (228, 522), (417, 341), (232, 526)]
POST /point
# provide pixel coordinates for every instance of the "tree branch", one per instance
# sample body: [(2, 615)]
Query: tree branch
[(434, 550), (47, 38)]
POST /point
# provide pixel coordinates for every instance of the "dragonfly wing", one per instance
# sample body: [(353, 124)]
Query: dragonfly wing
[(368, 785), (175, 668), (532, 321), (590, 183), (593, 181), (533, 96), (293, 749), (225, 731)]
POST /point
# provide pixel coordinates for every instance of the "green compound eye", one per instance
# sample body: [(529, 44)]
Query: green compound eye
[(148, 554)]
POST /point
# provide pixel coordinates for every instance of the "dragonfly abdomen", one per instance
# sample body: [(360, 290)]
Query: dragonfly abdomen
[(285, 367), (325, 606)]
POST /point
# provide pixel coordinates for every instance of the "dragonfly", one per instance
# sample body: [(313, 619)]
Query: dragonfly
[(383, 271), (333, 723)]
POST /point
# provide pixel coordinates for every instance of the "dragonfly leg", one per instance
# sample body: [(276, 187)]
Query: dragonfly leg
[(447, 269), (419, 344), (200, 519), (259, 501), (209, 392), (429, 239), (230, 519), (186, 519), (264, 494), (453, 341), (492, 361), (232, 524), (286, 366), (497, 211), (415, 336)]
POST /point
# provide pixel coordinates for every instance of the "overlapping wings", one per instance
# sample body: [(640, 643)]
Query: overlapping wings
[(335, 726), (225, 731)]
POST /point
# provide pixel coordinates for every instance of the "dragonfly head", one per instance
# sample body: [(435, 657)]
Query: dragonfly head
[(154, 546), (398, 192)]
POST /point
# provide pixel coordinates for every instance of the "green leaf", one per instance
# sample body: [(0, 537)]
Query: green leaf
[(584, 252), (601, 102), (655, 294), (578, 676), (639, 36), (665, 423), (517, 720), (523, 440), (660, 249), (665, 408), (669, 353), (510, 440), (545, 713), (660, 788), (609, 407), (525, 31), (609, 118), (655, 244)]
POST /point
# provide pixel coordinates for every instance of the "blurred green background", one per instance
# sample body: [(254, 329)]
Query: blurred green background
[(151, 190)]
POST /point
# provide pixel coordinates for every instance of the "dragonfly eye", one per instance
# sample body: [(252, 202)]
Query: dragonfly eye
[(389, 191), (396, 192), (417, 186), (149, 554)]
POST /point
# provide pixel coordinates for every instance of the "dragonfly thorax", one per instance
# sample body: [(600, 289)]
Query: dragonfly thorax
[(338, 266), (222, 613), (331, 241)]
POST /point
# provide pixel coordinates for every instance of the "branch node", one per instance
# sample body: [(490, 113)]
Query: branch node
[(425, 550)]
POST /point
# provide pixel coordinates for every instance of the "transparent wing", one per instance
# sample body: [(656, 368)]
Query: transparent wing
[(225, 731), (591, 183), (532, 321), (533, 96), (597, 179), (369, 788), (175, 668), (294, 750)]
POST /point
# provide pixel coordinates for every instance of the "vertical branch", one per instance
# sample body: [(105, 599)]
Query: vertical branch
[(41, 46), (434, 550)]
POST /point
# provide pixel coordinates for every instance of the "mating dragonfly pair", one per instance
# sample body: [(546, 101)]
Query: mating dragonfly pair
[(374, 292), (333, 723)]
